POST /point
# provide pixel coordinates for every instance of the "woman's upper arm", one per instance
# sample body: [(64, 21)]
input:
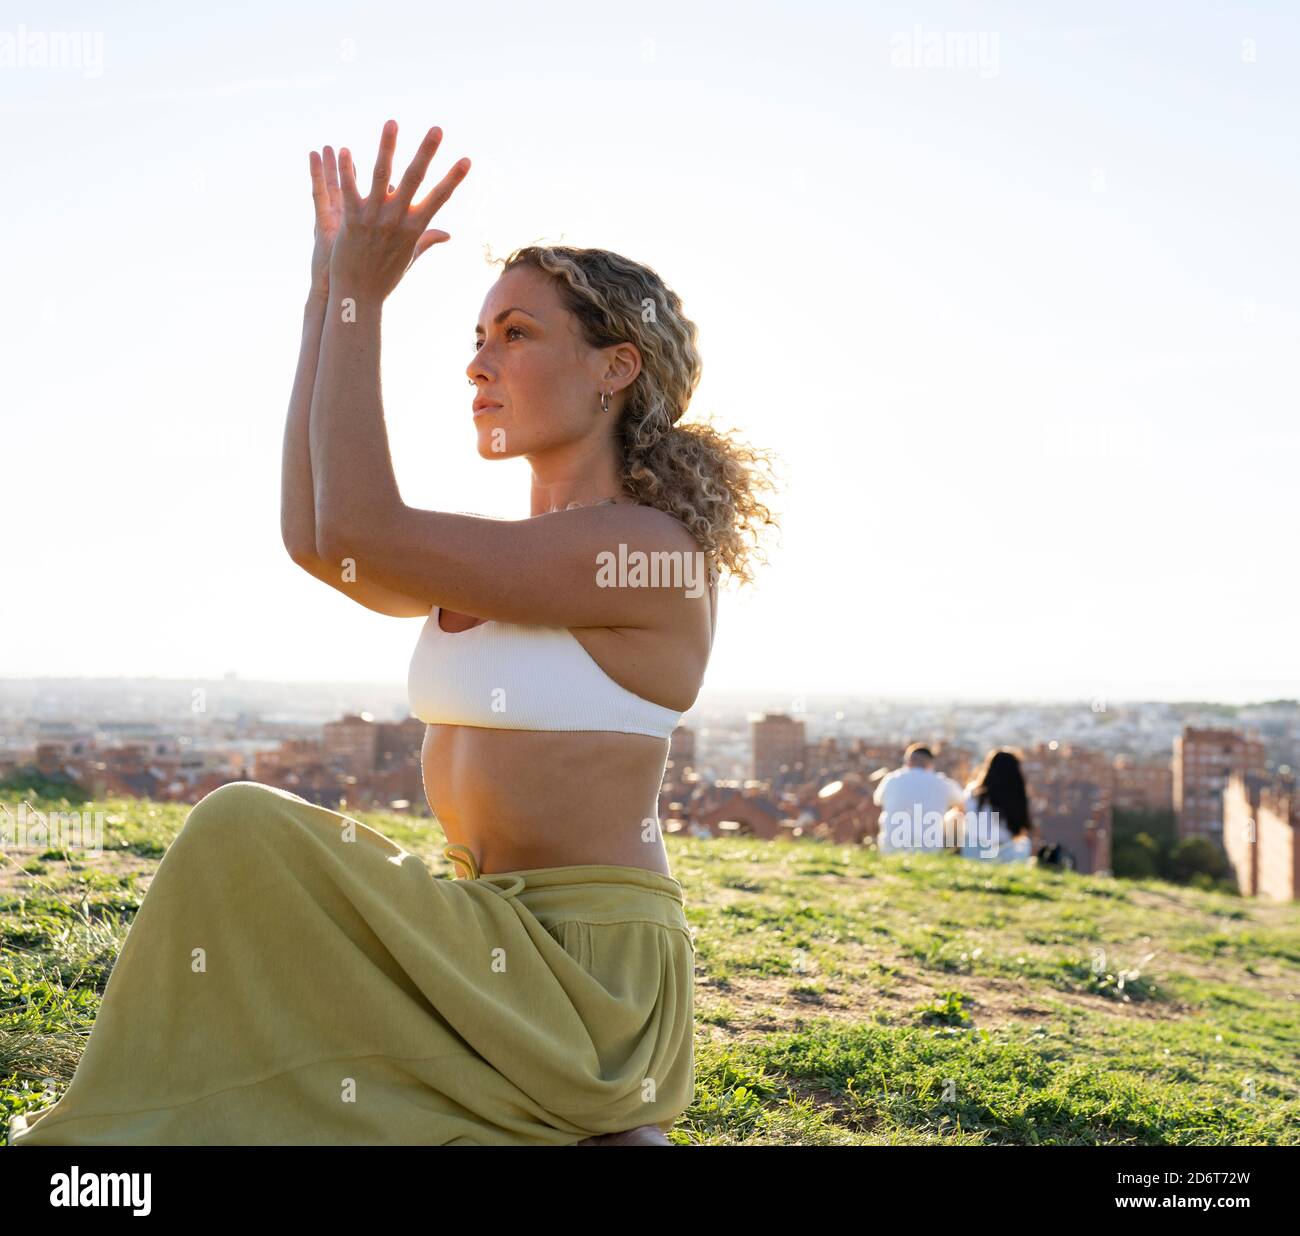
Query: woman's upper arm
[(599, 566), (363, 591)]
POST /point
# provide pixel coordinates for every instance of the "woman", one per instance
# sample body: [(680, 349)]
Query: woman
[(997, 826), (294, 976)]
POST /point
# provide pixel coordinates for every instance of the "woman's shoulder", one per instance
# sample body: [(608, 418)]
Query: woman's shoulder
[(670, 529)]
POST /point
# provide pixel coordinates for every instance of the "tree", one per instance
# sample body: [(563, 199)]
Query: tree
[(1194, 856)]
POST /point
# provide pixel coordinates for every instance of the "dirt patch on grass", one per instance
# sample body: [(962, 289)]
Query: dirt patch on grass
[(766, 1004), (997, 1000), (1256, 911), (1269, 978), (15, 882)]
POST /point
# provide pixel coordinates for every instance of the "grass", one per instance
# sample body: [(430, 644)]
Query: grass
[(842, 997)]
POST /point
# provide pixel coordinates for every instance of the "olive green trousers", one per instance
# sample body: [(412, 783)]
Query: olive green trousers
[(293, 977)]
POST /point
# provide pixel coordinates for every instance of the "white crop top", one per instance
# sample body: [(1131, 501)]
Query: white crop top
[(508, 676)]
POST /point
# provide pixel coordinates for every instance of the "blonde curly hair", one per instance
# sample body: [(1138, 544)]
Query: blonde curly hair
[(704, 477)]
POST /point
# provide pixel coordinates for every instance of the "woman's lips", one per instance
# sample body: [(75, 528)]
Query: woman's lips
[(487, 407)]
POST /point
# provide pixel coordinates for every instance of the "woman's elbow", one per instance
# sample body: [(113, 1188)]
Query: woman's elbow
[(302, 554), (332, 544), (325, 542)]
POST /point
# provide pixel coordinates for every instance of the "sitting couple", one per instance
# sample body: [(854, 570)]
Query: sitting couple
[(994, 824)]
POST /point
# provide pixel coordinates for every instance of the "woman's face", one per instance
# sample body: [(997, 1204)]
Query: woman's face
[(531, 360)]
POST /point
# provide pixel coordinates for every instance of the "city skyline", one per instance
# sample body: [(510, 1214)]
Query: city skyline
[(772, 697), (768, 776)]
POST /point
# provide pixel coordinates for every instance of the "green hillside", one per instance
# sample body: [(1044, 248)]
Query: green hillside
[(842, 997)]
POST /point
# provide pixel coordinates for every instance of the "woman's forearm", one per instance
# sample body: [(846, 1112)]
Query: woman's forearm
[(297, 493), (355, 487)]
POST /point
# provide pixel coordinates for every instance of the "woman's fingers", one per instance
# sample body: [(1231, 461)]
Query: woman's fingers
[(383, 166), (331, 174), (440, 192), (348, 183), (434, 236), (319, 188), (419, 165), (343, 177), (384, 232)]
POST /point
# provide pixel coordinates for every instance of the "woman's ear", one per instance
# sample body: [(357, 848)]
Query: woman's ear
[(624, 365)]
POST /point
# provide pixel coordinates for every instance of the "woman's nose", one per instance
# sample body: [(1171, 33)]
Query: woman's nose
[(476, 370)]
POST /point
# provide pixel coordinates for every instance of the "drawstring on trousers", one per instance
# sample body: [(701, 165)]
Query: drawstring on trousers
[(463, 856)]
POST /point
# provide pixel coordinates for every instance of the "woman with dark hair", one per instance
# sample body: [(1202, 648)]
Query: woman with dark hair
[(997, 826), (294, 977)]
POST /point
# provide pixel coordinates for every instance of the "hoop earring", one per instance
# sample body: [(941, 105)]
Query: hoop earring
[(604, 402)]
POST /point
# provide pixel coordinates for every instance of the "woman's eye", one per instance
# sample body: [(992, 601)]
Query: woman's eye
[(478, 343)]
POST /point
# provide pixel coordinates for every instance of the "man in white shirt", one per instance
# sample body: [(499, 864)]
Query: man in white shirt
[(914, 800)]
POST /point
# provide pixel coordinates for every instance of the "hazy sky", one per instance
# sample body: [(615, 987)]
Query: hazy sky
[(1023, 330)]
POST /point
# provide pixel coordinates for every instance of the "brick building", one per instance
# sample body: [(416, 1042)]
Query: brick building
[(743, 812), (777, 748), (1143, 785), (1204, 759), (1261, 834), (841, 812), (681, 747), (1070, 801)]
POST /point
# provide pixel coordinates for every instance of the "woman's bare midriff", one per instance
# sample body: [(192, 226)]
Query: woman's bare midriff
[(520, 799), (533, 798)]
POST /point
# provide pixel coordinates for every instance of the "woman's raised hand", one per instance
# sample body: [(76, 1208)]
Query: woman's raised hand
[(328, 199), (380, 236)]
